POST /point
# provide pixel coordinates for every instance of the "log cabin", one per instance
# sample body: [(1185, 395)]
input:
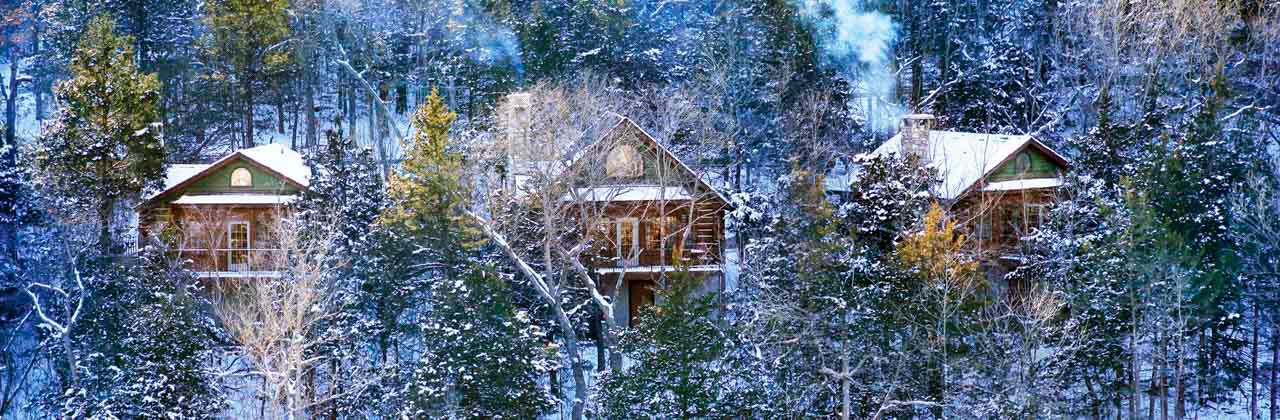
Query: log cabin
[(650, 214), (661, 216), (219, 216), (998, 187)]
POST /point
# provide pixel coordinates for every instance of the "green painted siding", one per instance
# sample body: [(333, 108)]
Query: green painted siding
[(220, 182), (1040, 167)]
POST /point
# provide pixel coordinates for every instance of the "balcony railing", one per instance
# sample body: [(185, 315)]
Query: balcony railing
[(227, 260)]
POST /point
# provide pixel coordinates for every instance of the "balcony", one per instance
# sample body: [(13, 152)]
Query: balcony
[(231, 263)]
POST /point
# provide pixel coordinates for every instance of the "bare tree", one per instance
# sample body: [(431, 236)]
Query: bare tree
[(275, 318)]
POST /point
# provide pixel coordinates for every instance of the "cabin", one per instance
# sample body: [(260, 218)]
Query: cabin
[(998, 187), (220, 216), (648, 213), (659, 216)]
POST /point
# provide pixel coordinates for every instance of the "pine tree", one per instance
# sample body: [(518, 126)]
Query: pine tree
[(104, 145), (944, 292), (145, 340), (483, 357), (682, 365), (250, 38), (429, 191)]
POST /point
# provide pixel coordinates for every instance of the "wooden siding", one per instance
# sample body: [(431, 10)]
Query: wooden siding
[(1040, 167), (200, 234), (220, 182), (701, 246), (1009, 215)]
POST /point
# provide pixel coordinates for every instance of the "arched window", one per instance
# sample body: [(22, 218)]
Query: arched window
[(1022, 163), (624, 162), (241, 178)]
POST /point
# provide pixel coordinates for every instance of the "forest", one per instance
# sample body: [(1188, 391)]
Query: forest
[(423, 272)]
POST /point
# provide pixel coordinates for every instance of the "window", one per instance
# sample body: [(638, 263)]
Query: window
[(624, 162), (241, 178), (628, 239), (238, 244), (660, 228), (1021, 220), (983, 230), (1022, 163)]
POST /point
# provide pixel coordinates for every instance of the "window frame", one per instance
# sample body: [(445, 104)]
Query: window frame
[(248, 177), (232, 249), (624, 170), (633, 256)]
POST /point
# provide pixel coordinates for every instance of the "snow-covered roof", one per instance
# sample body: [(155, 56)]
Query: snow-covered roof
[(522, 170), (630, 193), (180, 172), (281, 159), (1023, 184), (962, 160), (252, 199), (276, 157)]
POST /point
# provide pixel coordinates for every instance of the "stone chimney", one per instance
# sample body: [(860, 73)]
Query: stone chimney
[(915, 134), (514, 118)]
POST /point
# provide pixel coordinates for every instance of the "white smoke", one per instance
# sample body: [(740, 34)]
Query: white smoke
[(857, 41)]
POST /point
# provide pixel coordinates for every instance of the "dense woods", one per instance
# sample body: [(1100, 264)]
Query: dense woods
[(427, 274)]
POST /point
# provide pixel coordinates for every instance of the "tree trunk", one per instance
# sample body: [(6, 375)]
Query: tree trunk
[(312, 122), (247, 87), (845, 403), (37, 88), (1254, 376), (1134, 376), (104, 225), (72, 361), (11, 100), (280, 111), (598, 329), (1275, 371)]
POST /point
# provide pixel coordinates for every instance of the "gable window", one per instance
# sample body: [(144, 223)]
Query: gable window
[(624, 162), (241, 177), (1022, 163)]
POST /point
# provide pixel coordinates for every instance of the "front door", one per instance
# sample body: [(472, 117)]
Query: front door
[(238, 246), (640, 293)]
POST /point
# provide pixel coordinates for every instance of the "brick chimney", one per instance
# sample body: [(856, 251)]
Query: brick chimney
[(915, 134)]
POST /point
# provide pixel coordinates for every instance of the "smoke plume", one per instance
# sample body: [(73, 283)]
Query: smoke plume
[(856, 42)]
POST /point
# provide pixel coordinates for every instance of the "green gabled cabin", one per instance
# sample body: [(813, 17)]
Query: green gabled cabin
[(220, 216)]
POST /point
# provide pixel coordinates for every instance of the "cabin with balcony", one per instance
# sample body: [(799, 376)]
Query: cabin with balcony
[(220, 216), (998, 187), (648, 214)]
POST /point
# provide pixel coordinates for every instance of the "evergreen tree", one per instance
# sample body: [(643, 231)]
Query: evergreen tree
[(682, 361), (429, 191), (104, 146), (1110, 151), (250, 39), (815, 301), (1189, 179), (944, 293), (482, 358), (144, 343)]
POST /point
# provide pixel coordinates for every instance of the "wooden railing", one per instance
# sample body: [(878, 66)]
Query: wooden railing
[(220, 259)]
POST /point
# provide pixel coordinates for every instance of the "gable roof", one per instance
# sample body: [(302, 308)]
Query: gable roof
[(963, 161), (625, 123), (275, 159), (582, 149)]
